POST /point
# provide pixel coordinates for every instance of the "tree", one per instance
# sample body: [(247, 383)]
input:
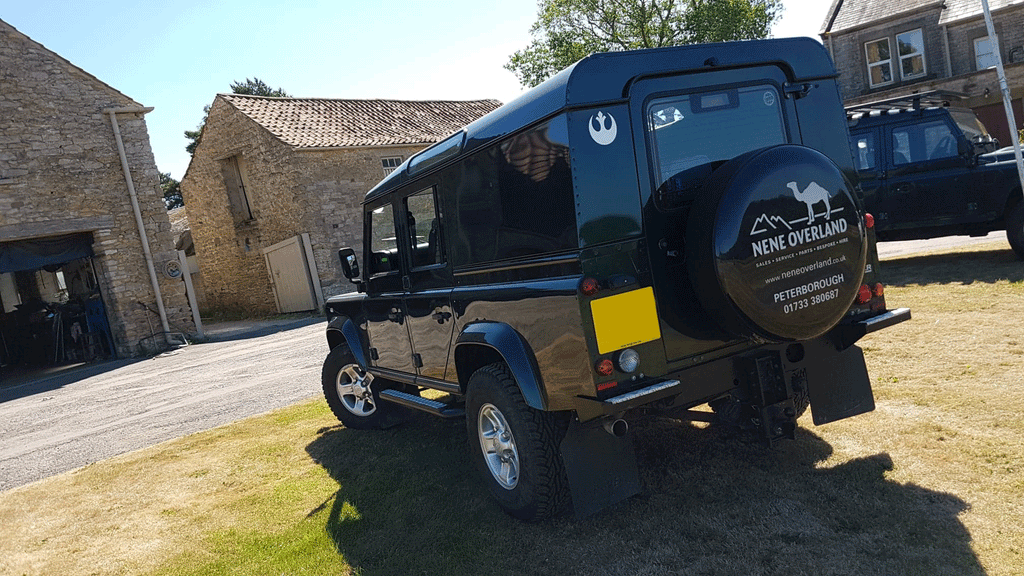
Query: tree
[(172, 191), (253, 87), (567, 30)]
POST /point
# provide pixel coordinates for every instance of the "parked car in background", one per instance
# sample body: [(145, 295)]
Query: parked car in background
[(927, 169)]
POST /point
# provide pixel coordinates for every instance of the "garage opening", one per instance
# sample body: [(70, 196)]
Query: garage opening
[(51, 309)]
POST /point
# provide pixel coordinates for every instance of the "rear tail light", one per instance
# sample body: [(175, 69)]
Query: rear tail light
[(604, 367), (864, 294), (589, 286), (878, 289), (869, 220)]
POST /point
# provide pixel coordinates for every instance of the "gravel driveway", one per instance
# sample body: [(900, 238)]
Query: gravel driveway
[(62, 422)]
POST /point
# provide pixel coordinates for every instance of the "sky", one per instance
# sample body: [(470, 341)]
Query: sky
[(177, 55)]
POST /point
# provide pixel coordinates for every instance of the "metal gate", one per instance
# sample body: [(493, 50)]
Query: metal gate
[(292, 274)]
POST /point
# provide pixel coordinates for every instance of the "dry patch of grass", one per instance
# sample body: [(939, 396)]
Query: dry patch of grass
[(927, 484)]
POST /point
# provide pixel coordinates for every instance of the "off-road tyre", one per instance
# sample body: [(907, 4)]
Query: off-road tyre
[(1015, 230), (541, 488), (358, 409)]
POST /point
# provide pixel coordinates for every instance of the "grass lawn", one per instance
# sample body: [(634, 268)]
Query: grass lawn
[(930, 483)]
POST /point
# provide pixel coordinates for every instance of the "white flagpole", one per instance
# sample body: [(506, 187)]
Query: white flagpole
[(1005, 90)]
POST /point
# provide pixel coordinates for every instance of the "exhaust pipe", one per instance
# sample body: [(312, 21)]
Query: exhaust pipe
[(617, 427)]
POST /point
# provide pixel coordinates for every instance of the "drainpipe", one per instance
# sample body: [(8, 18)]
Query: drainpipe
[(945, 51), (138, 213)]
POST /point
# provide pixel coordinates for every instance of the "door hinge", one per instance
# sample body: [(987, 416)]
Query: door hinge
[(373, 354), (417, 360), (797, 91)]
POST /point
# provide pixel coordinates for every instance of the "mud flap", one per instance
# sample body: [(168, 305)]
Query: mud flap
[(601, 468), (838, 385)]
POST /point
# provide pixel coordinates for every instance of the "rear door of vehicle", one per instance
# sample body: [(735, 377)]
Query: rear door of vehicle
[(927, 178), (715, 117), (428, 282)]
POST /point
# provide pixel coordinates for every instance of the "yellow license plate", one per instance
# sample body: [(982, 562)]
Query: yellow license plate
[(625, 320)]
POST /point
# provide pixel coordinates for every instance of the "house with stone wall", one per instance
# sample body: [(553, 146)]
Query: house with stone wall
[(275, 187), (87, 262), (884, 49)]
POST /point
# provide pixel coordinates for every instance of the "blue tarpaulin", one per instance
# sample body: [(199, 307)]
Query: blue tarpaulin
[(37, 253)]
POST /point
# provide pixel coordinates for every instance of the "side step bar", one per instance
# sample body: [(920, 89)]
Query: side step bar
[(425, 404)]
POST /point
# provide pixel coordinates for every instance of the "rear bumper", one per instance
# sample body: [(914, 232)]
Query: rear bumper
[(845, 335), (841, 338), (890, 318)]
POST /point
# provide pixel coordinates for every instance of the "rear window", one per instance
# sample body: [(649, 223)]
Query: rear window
[(692, 134)]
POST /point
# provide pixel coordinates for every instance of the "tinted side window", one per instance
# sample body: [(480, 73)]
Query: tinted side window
[(920, 142), (865, 154), (424, 229), (516, 198), (383, 241)]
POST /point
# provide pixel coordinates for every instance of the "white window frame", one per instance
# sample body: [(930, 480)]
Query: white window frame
[(389, 163), (871, 65), (924, 63), (991, 53)]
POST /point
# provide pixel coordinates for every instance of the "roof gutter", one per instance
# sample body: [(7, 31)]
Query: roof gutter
[(138, 212), (360, 146)]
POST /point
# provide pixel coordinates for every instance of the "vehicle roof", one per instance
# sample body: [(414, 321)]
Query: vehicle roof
[(606, 77)]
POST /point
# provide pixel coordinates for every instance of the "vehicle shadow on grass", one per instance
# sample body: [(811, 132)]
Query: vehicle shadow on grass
[(409, 502), (956, 267)]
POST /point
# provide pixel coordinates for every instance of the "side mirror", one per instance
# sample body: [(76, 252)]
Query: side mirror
[(984, 143), (349, 264)]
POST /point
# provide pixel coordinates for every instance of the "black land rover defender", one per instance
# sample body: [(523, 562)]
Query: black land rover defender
[(645, 231), (927, 170)]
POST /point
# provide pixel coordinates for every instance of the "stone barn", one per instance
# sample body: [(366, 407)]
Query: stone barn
[(275, 185), (87, 263)]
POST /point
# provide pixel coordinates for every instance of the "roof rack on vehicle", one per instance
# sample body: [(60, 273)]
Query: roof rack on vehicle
[(929, 99)]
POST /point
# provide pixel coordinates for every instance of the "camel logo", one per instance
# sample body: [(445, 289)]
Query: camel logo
[(604, 134), (811, 195), (782, 234)]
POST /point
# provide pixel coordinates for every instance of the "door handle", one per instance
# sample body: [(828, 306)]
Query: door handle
[(904, 188), (441, 316)]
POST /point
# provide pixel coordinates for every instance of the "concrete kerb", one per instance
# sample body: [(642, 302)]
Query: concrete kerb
[(239, 329)]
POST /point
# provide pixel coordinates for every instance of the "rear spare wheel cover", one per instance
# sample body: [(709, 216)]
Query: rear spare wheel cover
[(779, 244)]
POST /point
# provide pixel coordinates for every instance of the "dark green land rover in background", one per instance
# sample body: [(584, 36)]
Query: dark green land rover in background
[(928, 169), (646, 231)]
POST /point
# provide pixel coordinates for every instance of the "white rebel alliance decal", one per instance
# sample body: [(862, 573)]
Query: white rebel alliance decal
[(604, 134), (811, 195)]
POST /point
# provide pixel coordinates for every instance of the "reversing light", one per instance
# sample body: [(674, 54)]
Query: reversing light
[(878, 289), (628, 360), (869, 220), (864, 294), (604, 367), (589, 286)]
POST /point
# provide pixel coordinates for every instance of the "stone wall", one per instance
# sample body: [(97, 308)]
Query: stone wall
[(290, 192), (847, 49), (60, 172)]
